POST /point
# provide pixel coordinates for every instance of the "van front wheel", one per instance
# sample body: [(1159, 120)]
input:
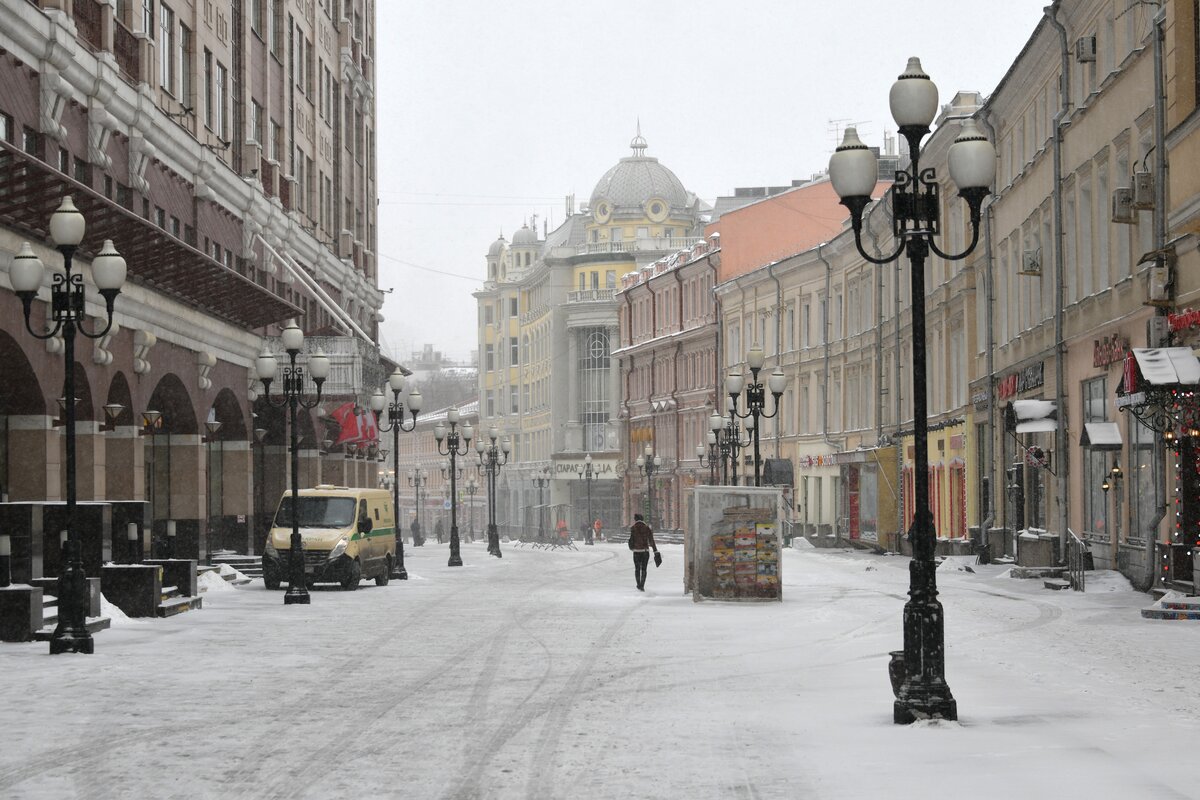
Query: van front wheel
[(382, 578), (350, 582)]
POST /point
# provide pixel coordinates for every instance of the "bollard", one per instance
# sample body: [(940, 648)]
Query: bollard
[(5, 560), (135, 542)]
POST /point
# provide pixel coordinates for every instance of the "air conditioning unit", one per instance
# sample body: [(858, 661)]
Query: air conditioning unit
[(1085, 49), (1158, 283), (1143, 190), (1122, 206), (1031, 262)]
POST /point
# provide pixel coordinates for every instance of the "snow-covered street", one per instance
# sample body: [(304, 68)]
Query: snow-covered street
[(547, 675)]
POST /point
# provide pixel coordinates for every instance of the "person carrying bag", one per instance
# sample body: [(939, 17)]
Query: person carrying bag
[(641, 542)]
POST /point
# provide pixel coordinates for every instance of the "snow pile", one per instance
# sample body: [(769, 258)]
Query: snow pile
[(226, 570), (959, 563), (800, 543), (211, 581), (114, 613)]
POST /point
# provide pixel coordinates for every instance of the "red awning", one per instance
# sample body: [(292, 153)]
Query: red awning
[(30, 191)]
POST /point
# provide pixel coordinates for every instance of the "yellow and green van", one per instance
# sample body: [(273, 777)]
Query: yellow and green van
[(346, 535)]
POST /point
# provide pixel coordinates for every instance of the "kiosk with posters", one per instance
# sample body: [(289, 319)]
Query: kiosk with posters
[(734, 544)]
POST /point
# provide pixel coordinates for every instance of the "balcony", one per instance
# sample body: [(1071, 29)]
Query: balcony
[(592, 296), (643, 245)]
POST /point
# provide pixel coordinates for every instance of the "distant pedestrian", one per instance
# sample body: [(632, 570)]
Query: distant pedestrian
[(564, 534), (596, 527), (438, 530), (585, 529), (641, 542), (415, 529)]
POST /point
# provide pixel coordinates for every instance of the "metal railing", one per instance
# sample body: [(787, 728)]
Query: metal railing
[(1077, 552)]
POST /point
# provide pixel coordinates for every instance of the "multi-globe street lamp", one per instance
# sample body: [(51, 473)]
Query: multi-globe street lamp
[(755, 399), (395, 424), (293, 386), (67, 310), (587, 474), (729, 443), (854, 171), (452, 440), (541, 480), (491, 458), (418, 478), (649, 464)]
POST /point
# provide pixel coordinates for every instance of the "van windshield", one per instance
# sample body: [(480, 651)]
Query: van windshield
[(317, 512)]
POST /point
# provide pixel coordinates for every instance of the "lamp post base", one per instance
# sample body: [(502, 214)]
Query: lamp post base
[(455, 555), (910, 710), (923, 694), (71, 634)]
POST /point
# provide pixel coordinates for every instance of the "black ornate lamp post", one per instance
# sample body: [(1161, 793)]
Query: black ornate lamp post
[(395, 424), (709, 456), (588, 475), (293, 387), (471, 487), (491, 458), (541, 481), (259, 488), (649, 464), (755, 399), (416, 479), (853, 170), (1114, 479), (729, 444), (67, 312), (453, 440)]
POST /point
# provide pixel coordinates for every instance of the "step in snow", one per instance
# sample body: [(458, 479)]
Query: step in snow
[(178, 605), (93, 624), (1058, 584)]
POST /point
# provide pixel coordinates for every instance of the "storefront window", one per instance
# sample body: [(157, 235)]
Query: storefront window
[(1095, 465), (1139, 488)]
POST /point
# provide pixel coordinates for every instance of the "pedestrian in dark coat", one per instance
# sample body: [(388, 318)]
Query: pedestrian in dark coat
[(438, 530), (641, 542), (416, 534)]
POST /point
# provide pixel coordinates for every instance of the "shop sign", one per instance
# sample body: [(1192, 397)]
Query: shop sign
[(1189, 318), (1021, 381), (956, 441), (572, 468), (980, 399), (1109, 350)]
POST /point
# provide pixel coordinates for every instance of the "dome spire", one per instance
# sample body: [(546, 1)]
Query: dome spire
[(638, 145)]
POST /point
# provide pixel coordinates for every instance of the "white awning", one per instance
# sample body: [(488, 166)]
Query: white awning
[(1101, 435), (1162, 366), (1034, 416)]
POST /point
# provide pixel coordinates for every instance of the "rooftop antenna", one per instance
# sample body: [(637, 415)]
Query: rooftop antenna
[(838, 126)]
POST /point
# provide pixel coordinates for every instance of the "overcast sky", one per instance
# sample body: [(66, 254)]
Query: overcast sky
[(490, 113)]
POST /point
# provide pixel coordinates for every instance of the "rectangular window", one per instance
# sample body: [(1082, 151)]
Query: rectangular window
[(209, 111), (514, 351), (186, 47), (489, 358), (222, 102), (166, 49), (148, 18), (512, 306)]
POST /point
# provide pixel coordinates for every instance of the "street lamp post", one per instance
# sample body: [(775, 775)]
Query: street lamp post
[(417, 478), (67, 310), (471, 487), (453, 440), (541, 481), (259, 489), (729, 443), (212, 426), (755, 399), (293, 387), (649, 464), (395, 424), (1114, 478), (491, 458), (709, 456), (853, 170), (587, 475)]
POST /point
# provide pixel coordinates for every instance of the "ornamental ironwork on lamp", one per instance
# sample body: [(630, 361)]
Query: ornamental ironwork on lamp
[(453, 440), (491, 458)]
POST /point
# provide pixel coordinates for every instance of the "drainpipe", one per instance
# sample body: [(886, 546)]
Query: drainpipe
[(1160, 243), (778, 346), (679, 451), (1060, 345), (825, 332), (990, 309), (625, 479)]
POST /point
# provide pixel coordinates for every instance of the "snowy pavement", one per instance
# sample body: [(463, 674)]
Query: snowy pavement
[(547, 675)]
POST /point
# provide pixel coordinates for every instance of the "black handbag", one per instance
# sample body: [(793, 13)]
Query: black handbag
[(657, 559)]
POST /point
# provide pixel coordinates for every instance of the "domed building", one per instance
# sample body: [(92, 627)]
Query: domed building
[(548, 316)]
